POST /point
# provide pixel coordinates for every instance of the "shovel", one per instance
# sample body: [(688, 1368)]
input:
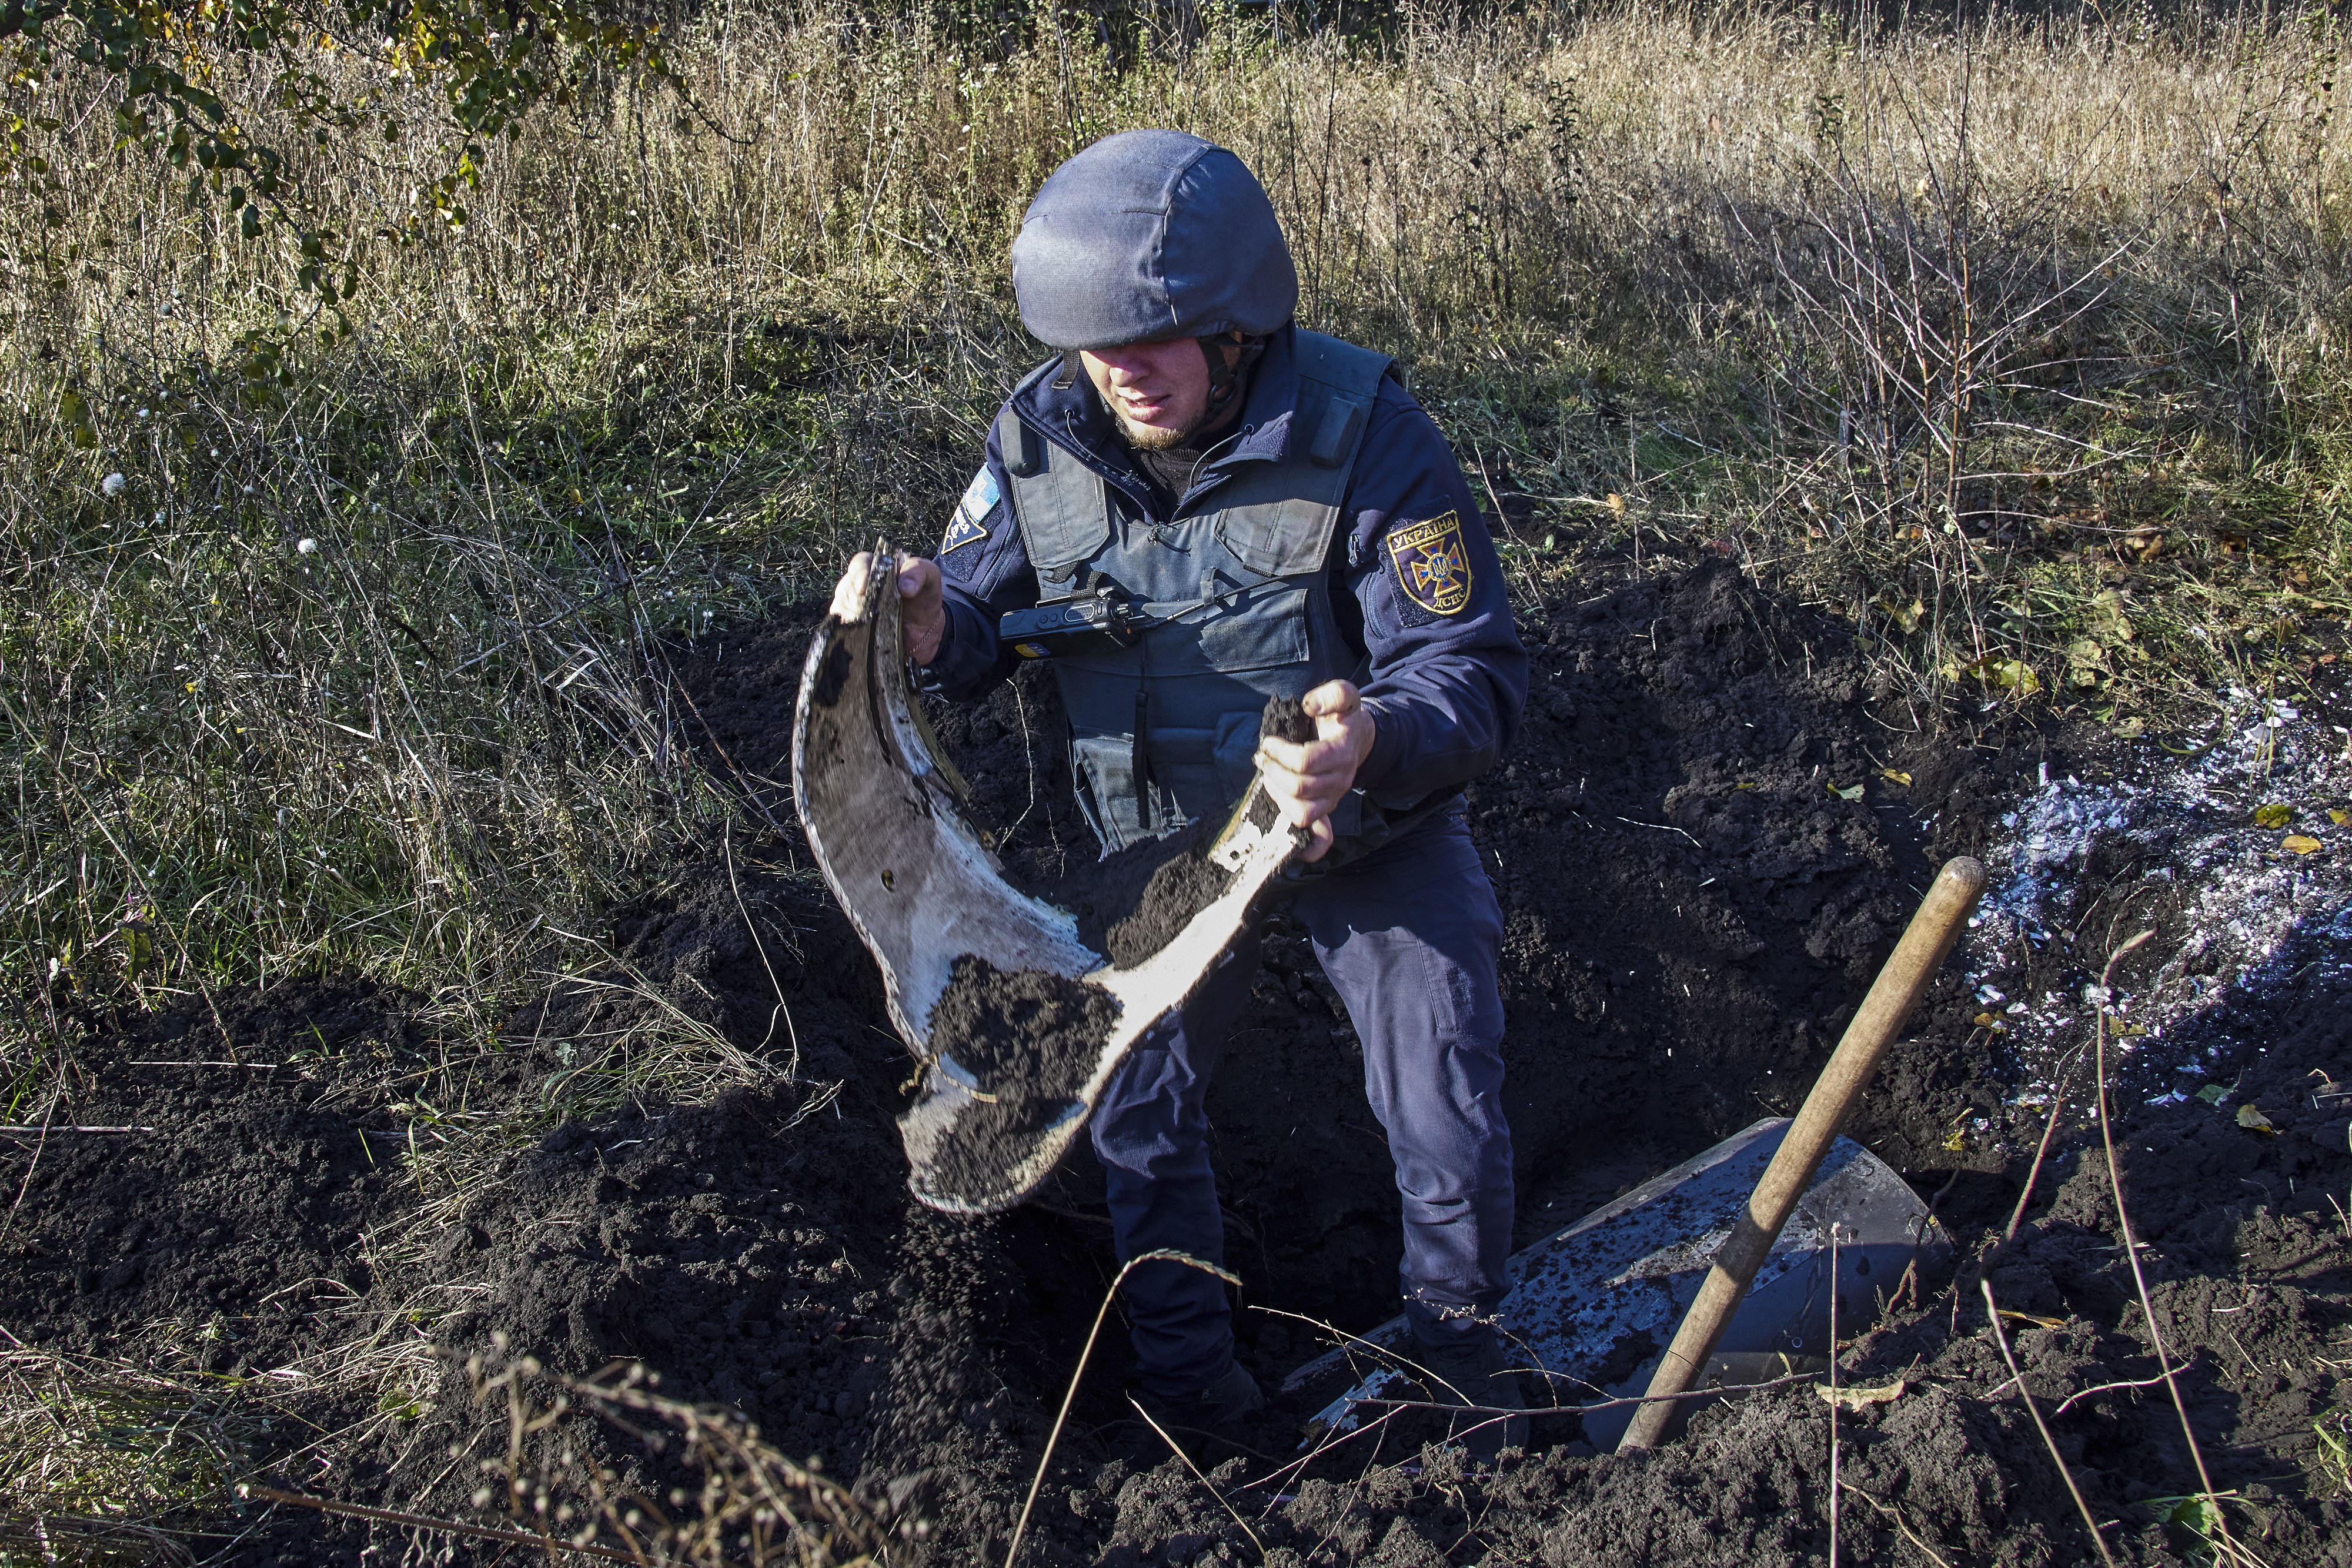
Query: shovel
[(886, 817), (1721, 1271)]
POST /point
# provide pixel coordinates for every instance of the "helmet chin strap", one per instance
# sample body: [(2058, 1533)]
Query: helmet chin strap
[(1230, 355)]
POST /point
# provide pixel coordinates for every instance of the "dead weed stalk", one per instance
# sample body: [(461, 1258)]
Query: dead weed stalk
[(2212, 1522), (1078, 1372), (2000, 1338), (733, 1499)]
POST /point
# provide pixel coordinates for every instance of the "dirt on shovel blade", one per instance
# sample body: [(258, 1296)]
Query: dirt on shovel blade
[(1030, 1039), (1025, 1034), (1132, 903)]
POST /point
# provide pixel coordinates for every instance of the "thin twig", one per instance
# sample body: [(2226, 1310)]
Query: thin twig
[(1716, 1391), (448, 1526), (2131, 1247), (83, 1526), (1274, 1480), (1889, 1510), (1834, 1403), (27, 1185), (2049, 1131), (2110, 1387), (1993, 1311), (1206, 1484), (1382, 1351), (727, 851), (1070, 1395)]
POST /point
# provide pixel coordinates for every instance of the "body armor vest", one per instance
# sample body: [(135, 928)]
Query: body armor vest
[(1164, 730)]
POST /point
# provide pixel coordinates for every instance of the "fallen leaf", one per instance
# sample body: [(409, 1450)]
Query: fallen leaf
[(2213, 1093), (1852, 792), (2029, 1318), (2299, 844), (2249, 1116), (1898, 774), (1743, 784), (2131, 728), (2338, 816), (1860, 1398), (2201, 1514), (2015, 674), (1985, 1021), (1907, 616), (2277, 814)]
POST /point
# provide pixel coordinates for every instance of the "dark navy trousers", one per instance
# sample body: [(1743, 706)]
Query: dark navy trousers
[(1410, 937)]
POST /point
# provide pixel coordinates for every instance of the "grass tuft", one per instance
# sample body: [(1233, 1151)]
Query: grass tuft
[(110, 1463)]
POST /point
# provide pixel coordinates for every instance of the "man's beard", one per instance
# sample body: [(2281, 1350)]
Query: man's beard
[(1156, 438)]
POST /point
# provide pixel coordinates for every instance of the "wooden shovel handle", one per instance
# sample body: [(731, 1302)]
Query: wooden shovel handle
[(1942, 914)]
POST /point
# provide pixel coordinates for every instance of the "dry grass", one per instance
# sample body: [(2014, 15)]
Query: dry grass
[(103, 1462), (2020, 347)]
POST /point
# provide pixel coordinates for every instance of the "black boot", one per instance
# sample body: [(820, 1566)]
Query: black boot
[(1468, 1369), (1211, 1424)]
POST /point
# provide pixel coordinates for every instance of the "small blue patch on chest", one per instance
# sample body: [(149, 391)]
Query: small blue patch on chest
[(970, 523), (980, 495)]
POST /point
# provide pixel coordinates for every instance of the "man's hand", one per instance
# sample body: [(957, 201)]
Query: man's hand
[(922, 613), (1307, 780)]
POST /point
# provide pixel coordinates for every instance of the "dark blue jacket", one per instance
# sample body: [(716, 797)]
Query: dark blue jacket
[(1446, 690)]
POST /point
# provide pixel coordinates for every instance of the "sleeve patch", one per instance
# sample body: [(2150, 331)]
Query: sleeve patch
[(970, 525), (1432, 565), (961, 532)]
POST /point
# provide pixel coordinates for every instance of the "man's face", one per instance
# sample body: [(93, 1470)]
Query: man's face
[(1158, 393)]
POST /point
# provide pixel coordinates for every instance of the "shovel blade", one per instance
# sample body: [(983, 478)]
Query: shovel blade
[(886, 824), (1591, 1308), (884, 816)]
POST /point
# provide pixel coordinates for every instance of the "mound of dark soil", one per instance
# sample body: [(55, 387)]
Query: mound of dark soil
[(242, 1156), (1703, 843), (2249, 1267)]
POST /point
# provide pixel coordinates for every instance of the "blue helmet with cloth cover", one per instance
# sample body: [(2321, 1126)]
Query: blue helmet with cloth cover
[(1147, 235)]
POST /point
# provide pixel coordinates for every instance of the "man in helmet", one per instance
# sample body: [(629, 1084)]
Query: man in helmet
[(1287, 521)]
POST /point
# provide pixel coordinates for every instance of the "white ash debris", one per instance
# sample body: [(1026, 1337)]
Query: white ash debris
[(2239, 826), (2057, 827)]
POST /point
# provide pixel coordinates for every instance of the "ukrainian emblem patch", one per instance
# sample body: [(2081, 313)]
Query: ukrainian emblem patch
[(1432, 565), (971, 522)]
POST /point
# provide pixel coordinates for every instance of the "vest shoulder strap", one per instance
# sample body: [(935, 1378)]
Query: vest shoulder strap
[(1057, 502), (1338, 382), (1278, 523)]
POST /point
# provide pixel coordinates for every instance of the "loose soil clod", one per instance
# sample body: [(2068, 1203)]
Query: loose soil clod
[(1024, 1034), (1129, 905), (1132, 903)]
